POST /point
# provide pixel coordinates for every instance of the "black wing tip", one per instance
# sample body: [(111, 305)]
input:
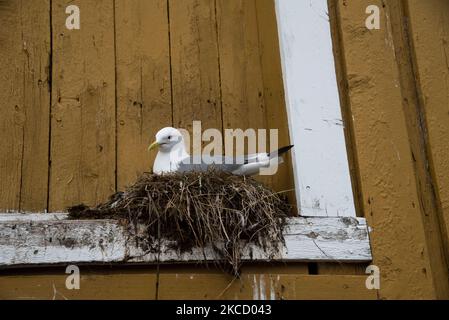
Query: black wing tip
[(285, 149), (281, 151)]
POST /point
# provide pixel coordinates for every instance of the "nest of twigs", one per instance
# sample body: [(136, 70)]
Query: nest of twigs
[(199, 210)]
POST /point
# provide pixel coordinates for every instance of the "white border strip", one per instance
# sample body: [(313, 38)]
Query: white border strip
[(322, 178)]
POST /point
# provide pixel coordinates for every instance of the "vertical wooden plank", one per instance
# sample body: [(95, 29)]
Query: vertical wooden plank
[(344, 103), (418, 139), (429, 34), (390, 193), (241, 71), (273, 86), (323, 182), (143, 83), (12, 104), (24, 104), (240, 66), (194, 63), (83, 106), (36, 37)]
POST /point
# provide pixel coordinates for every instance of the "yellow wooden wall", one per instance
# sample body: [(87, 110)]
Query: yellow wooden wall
[(80, 107), (134, 68), (399, 134)]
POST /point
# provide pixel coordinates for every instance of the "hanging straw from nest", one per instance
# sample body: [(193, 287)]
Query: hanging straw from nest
[(200, 209)]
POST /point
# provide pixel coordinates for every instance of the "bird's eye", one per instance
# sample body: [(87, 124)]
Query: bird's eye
[(169, 137)]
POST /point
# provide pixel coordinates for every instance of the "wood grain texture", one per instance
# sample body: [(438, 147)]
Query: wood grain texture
[(338, 46), (105, 284), (328, 268), (55, 240), (140, 283), (240, 66), (429, 35), (83, 106), (323, 287), (11, 121), (340, 68), (194, 63), (241, 55), (391, 195), (414, 113), (150, 47), (143, 83), (25, 104), (274, 101), (242, 85), (264, 285)]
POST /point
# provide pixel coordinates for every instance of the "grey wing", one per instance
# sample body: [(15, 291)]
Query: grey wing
[(205, 162)]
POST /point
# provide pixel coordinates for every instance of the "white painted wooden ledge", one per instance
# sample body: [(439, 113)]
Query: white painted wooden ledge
[(46, 239)]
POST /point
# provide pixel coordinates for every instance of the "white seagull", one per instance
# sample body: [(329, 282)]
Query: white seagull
[(173, 157)]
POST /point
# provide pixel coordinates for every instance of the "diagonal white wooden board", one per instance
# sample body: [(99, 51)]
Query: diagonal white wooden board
[(44, 239), (322, 179)]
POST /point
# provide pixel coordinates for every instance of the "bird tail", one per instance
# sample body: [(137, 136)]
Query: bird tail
[(278, 152)]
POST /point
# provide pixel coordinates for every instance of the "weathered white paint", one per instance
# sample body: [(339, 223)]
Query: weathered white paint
[(42, 239), (255, 288), (321, 168), (272, 288), (33, 217)]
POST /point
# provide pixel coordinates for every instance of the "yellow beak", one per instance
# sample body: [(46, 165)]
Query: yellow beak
[(153, 145)]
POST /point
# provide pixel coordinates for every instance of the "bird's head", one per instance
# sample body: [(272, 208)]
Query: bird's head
[(166, 139)]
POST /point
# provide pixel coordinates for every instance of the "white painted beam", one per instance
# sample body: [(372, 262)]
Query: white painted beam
[(322, 177), (46, 239)]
